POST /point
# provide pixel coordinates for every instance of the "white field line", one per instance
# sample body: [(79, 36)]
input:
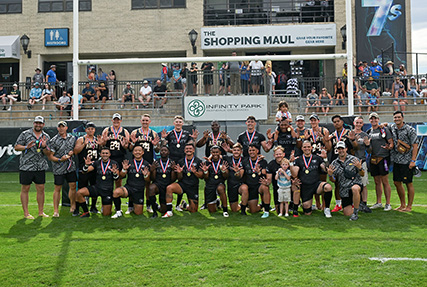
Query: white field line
[(385, 259)]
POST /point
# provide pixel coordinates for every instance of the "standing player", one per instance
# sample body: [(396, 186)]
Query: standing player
[(285, 136), (60, 152), (214, 138), (106, 173), (255, 182), (251, 136), (300, 131), (215, 172), (138, 173), (272, 168), (235, 177), (188, 173), (87, 146), (307, 171), (32, 164)]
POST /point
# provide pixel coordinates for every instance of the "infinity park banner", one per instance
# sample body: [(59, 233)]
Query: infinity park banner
[(379, 23), (269, 36), (225, 108)]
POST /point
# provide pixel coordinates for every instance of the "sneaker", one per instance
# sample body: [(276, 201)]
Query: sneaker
[(242, 212), (295, 214), (129, 211), (225, 214), (327, 212), (178, 208), (364, 208), (76, 212), (336, 208), (9, 109), (314, 207), (149, 209), (203, 207), (4, 108), (168, 214), (265, 215), (94, 210), (118, 214), (155, 215), (354, 217), (184, 204), (387, 207), (377, 205), (280, 214), (85, 214), (286, 214), (273, 209)]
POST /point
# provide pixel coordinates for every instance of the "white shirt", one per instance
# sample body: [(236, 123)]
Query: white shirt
[(256, 68), (145, 90)]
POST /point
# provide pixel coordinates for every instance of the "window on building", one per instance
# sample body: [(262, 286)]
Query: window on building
[(63, 5), (10, 6), (157, 4)]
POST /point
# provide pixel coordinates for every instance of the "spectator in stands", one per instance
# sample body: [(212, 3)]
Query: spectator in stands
[(371, 84), (373, 101), (359, 68), (47, 95), (222, 78), (233, 68), (326, 101), (80, 104), (423, 89), (244, 77), (281, 80), (312, 101), (355, 88), (271, 76), (388, 74), (176, 78), (366, 71), (35, 95), (92, 75), (51, 76), (102, 93), (164, 75), (193, 76), (402, 74), (3, 96), (362, 99), (400, 99), (283, 112), (256, 68), (63, 103), (160, 92), (38, 76), (128, 95), (395, 87), (111, 84), (14, 96), (339, 92), (292, 86), (101, 76), (207, 68), (376, 70), (144, 94), (413, 88), (344, 73), (184, 72), (88, 94)]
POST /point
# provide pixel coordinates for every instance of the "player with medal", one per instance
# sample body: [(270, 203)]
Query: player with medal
[(215, 172), (138, 174), (106, 173), (251, 136), (215, 137), (188, 173), (235, 178), (285, 136), (306, 183)]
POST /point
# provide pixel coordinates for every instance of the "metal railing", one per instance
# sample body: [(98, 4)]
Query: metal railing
[(267, 12)]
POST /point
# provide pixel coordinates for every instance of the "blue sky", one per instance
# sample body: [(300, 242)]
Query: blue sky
[(419, 32)]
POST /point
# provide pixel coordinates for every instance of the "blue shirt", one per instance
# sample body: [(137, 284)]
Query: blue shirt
[(282, 181), (51, 76), (103, 77), (374, 74), (177, 74), (36, 93)]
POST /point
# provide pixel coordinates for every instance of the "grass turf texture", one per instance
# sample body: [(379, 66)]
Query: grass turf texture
[(205, 249)]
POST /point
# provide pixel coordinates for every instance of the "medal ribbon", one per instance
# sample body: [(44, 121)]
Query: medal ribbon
[(69, 164), (164, 167), (234, 162), (216, 167), (307, 165), (92, 143), (382, 131), (104, 169), (313, 134), (176, 135), (251, 138), (116, 134), (336, 134), (145, 136), (253, 165), (215, 140), (138, 167), (189, 165)]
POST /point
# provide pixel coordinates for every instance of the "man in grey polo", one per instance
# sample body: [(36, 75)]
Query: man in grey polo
[(403, 156), (33, 164), (233, 69)]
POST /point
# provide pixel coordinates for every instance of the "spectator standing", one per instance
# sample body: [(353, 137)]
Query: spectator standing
[(376, 70), (184, 72), (366, 71), (344, 73), (38, 76), (145, 94), (14, 96), (176, 78), (388, 74), (312, 100), (233, 68), (128, 95), (222, 78), (111, 84), (244, 77), (101, 76), (164, 75), (193, 77), (51, 77), (256, 68), (207, 68)]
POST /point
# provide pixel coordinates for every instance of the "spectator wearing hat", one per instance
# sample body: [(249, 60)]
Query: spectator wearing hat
[(388, 74), (362, 98), (102, 93), (128, 95), (51, 78), (413, 88), (35, 95), (371, 84), (38, 76), (14, 96), (312, 100), (400, 100), (145, 94), (3, 96)]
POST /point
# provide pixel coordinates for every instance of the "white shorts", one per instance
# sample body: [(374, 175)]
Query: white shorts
[(12, 98), (365, 178), (284, 194), (184, 80)]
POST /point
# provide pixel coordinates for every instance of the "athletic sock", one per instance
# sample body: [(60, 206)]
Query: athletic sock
[(356, 210), (117, 203), (328, 197), (243, 208), (338, 201), (84, 206), (130, 203), (296, 208), (179, 199), (266, 207), (94, 199), (152, 202), (169, 206), (224, 208), (365, 202), (77, 206)]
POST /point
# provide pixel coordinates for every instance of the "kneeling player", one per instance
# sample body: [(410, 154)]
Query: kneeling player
[(106, 173), (307, 168), (235, 177), (138, 175)]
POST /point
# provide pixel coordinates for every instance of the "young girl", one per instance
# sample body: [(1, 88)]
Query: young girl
[(283, 111), (283, 177)]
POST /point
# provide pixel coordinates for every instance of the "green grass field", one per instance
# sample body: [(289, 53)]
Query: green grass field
[(209, 250)]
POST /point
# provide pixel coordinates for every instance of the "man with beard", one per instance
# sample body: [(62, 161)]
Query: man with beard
[(251, 136), (214, 138), (285, 137)]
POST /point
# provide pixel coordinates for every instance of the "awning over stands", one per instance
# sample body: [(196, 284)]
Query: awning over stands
[(9, 47)]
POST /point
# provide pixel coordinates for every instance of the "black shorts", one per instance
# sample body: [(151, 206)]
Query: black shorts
[(253, 192), (381, 168), (86, 179), (256, 80), (211, 194), (276, 195), (308, 190), (28, 177), (191, 191), (233, 192), (208, 79), (128, 98), (90, 97), (135, 195), (162, 192), (402, 173), (177, 86), (346, 201), (103, 96), (106, 196), (60, 179)]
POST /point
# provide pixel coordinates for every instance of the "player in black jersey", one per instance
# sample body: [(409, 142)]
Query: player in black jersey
[(149, 140), (106, 173), (116, 138), (216, 137), (162, 174), (188, 172), (306, 172), (137, 171), (272, 168), (86, 146), (235, 177), (285, 136), (300, 131), (251, 136), (215, 172), (255, 181)]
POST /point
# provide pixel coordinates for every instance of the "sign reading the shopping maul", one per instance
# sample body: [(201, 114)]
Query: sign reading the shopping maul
[(269, 36), (56, 37), (225, 108)]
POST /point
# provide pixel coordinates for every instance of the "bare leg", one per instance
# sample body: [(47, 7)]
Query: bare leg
[(387, 188), (56, 199), (401, 193), (378, 188), (40, 197), (24, 198)]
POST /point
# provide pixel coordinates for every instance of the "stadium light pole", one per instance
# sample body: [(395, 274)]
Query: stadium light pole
[(349, 30), (75, 59)]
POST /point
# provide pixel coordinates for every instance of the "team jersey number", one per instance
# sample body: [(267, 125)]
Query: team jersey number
[(114, 145), (317, 147), (93, 154), (146, 146)]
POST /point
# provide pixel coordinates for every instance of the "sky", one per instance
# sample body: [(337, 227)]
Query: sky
[(419, 32)]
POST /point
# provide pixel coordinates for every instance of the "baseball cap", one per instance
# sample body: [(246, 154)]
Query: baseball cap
[(62, 123), (53, 66), (90, 125), (145, 82), (38, 69), (117, 115), (313, 88), (374, 115), (412, 77), (14, 85), (340, 144), (164, 64), (127, 84), (300, 118), (314, 116), (39, 119), (36, 84)]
